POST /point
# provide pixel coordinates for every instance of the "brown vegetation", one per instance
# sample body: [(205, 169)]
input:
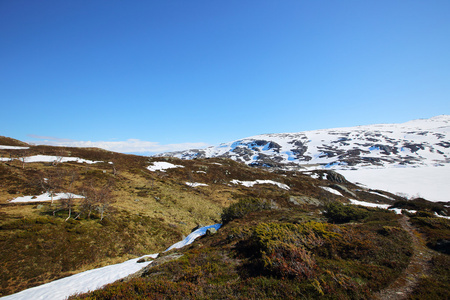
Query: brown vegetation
[(275, 243)]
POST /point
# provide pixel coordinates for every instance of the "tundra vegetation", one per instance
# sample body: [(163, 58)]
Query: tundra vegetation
[(301, 242)]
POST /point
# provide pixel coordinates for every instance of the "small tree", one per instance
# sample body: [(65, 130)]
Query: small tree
[(104, 200), (22, 155), (68, 203), (96, 198)]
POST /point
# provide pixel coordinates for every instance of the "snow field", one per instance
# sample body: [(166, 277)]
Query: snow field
[(431, 183)]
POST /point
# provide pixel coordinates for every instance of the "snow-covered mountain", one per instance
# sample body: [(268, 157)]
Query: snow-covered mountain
[(423, 142)]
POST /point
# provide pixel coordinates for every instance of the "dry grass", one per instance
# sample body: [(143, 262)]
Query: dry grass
[(151, 210)]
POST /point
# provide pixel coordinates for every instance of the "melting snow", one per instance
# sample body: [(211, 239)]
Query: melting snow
[(60, 159), (45, 197), (398, 211), (368, 204), (258, 181), (162, 166), (191, 237), (96, 278), (331, 190), (195, 184), (13, 147)]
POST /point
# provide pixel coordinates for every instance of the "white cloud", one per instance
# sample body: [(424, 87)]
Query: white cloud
[(128, 146)]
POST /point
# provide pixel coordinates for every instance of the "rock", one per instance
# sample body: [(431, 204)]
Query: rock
[(39, 206), (156, 262), (145, 259), (211, 231), (335, 177), (299, 200), (443, 245)]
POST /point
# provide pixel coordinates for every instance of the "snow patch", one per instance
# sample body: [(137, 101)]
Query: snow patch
[(368, 204), (94, 279), (162, 166), (258, 181), (191, 237), (195, 184), (331, 190), (58, 159), (81, 282), (45, 197), (13, 147)]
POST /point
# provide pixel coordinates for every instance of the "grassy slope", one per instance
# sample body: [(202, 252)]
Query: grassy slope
[(154, 209), (151, 211), (288, 253)]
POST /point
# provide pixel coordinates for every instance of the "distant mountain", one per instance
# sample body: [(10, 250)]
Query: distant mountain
[(423, 142)]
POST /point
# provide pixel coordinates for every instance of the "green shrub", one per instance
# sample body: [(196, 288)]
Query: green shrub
[(337, 212), (285, 248), (436, 231), (243, 207)]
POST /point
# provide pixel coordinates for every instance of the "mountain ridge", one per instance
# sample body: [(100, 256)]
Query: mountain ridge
[(421, 142)]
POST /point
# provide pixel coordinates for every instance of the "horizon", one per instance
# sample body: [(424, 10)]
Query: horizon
[(160, 77)]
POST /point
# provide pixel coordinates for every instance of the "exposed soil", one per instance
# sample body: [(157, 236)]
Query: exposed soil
[(418, 267)]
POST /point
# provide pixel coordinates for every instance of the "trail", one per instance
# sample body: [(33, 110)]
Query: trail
[(418, 267)]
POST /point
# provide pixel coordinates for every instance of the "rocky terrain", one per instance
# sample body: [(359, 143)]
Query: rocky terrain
[(424, 142)]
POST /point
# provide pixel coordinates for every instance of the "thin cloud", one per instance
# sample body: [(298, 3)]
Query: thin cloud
[(128, 146)]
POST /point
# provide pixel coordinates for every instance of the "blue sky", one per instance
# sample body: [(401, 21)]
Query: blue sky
[(166, 75)]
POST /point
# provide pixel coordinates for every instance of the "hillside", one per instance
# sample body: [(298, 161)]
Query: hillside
[(125, 206), (424, 142)]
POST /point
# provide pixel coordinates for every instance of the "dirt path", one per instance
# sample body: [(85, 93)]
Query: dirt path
[(418, 266)]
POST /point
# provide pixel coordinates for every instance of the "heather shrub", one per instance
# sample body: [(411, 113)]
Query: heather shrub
[(337, 212), (243, 207), (285, 248)]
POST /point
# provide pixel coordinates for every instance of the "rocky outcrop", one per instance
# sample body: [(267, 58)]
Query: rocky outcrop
[(335, 177)]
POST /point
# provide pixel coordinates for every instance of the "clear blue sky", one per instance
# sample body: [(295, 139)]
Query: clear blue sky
[(204, 72)]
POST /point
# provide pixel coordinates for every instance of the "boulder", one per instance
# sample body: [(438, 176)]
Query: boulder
[(335, 177), (211, 231)]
